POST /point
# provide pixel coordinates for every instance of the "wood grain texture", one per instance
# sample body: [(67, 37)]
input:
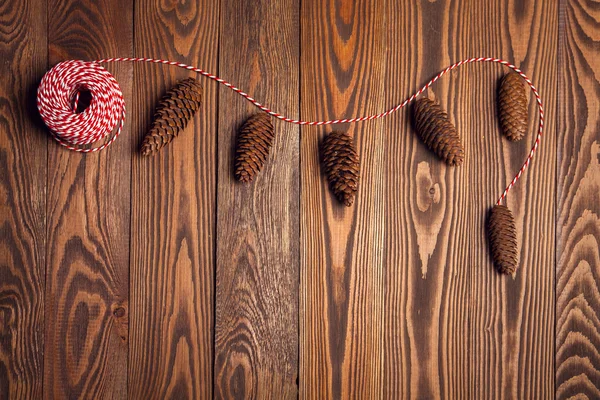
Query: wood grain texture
[(256, 327), (23, 159), (173, 211), (578, 203), (86, 338), (454, 327), (341, 286), (162, 277)]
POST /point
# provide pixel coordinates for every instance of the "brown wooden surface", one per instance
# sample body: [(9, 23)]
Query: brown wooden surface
[(23, 51), (341, 248), (161, 277), (256, 289), (87, 279), (173, 213), (453, 326), (577, 361)]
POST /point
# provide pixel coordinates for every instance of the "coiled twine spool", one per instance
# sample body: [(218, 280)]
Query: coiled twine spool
[(57, 99)]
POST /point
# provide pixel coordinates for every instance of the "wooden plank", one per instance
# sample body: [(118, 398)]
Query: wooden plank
[(23, 160), (578, 204), (512, 320), (87, 281), (418, 220), (173, 211), (341, 260), (454, 327), (256, 338)]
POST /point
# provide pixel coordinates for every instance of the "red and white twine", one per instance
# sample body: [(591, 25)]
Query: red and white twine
[(59, 91), (57, 98)]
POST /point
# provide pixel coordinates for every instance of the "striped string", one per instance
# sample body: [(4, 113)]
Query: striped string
[(59, 91)]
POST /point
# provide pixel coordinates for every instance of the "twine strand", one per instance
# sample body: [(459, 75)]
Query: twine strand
[(58, 96)]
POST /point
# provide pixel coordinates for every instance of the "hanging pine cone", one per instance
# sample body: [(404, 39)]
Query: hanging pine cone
[(512, 106), (503, 239), (173, 113), (254, 142), (342, 166), (438, 133)]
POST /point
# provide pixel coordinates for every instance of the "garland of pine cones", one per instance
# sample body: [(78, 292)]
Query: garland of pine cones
[(340, 159)]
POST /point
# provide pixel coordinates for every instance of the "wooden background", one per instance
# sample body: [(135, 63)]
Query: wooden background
[(123, 276)]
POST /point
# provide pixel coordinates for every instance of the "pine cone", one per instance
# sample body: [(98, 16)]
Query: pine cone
[(254, 141), (503, 239), (438, 133), (512, 106), (173, 113), (342, 166)]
